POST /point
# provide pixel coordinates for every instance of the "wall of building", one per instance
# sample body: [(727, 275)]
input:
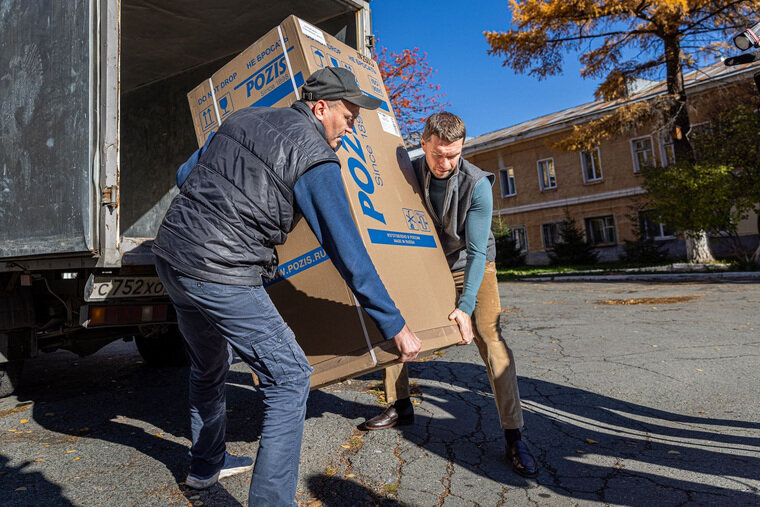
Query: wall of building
[(618, 193)]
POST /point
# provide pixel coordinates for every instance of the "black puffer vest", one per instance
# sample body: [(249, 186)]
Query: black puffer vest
[(238, 202), (450, 226)]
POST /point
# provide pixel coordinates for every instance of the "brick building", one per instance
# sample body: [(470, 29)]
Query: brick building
[(538, 186)]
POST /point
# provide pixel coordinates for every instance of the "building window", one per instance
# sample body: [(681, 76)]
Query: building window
[(652, 227), (507, 178), (643, 156), (521, 238), (551, 234), (547, 178), (601, 230), (592, 165), (667, 149)]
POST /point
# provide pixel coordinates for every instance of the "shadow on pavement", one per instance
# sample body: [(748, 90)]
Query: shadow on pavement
[(589, 446), (18, 486), (136, 406), (338, 492)]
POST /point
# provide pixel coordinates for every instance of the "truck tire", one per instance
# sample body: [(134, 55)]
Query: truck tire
[(10, 376), (162, 346)]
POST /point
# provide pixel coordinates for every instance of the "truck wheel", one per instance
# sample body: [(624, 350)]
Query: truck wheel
[(10, 372), (162, 346), (10, 376)]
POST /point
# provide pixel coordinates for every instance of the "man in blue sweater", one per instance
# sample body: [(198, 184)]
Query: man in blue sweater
[(458, 198), (240, 195)]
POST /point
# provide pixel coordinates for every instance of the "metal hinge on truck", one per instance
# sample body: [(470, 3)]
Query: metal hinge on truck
[(110, 197)]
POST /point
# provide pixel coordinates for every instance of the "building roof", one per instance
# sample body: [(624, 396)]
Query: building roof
[(699, 79)]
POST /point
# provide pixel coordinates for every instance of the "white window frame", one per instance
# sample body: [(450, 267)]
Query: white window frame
[(666, 140), (543, 236), (596, 169), (636, 166), (541, 174), (523, 242), (605, 226)]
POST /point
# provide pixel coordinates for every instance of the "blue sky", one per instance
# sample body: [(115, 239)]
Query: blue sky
[(486, 95)]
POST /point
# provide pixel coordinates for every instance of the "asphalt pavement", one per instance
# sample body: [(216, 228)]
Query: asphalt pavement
[(635, 393)]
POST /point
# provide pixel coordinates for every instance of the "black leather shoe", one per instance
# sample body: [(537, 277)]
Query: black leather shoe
[(523, 462), (389, 418)]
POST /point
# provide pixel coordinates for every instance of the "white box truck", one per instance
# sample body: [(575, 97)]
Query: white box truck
[(94, 121)]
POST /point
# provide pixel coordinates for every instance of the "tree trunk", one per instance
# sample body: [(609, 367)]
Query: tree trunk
[(698, 247), (678, 116)]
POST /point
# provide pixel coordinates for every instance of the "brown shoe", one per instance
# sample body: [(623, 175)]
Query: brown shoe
[(389, 418), (523, 462)]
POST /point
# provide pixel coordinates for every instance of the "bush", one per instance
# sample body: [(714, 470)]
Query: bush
[(572, 248), (508, 254), (644, 251)]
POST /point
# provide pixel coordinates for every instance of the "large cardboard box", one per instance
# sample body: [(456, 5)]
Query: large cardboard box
[(339, 338)]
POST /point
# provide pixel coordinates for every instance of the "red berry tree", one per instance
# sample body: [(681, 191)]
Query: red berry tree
[(407, 78)]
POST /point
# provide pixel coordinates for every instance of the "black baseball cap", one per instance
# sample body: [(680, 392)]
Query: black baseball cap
[(333, 83)]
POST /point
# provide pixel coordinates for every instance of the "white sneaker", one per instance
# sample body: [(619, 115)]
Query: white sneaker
[(232, 465)]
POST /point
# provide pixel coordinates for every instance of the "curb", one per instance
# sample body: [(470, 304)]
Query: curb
[(753, 276)]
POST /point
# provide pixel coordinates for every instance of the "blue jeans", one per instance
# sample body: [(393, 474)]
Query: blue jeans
[(211, 316)]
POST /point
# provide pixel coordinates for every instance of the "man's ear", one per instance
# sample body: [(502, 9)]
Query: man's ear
[(422, 144), (319, 108)]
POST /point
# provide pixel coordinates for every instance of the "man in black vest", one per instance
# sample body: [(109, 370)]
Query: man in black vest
[(239, 197), (458, 198)]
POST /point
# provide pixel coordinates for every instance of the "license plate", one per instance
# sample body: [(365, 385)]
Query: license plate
[(100, 288)]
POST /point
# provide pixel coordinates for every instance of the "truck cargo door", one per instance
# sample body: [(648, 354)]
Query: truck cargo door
[(48, 71)]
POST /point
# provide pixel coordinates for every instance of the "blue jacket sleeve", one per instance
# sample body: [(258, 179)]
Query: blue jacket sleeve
[(184, 170), (322, 200), (477, 228)]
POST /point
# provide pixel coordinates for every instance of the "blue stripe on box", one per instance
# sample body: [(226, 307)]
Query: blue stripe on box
[(298, 265), (379, 237), (279, 93)]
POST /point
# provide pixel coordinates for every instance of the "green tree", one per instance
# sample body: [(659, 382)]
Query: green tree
[(665, 36), (723, 184), (694, 196), (572, 248), (508, 252), (642, 249)]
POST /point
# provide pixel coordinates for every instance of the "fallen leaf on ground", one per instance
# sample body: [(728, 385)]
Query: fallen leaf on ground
[(590, 441), (673, 452)]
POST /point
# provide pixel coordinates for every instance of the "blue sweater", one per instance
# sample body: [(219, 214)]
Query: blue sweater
[(476, 228), (320, 196)]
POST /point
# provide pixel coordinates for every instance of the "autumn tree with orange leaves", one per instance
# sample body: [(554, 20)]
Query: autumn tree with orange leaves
[(407, 78), (620, 41)]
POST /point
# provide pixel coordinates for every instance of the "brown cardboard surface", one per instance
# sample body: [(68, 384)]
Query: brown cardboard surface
[(339, 338)]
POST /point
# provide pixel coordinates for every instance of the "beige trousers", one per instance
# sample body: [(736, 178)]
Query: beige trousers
[(498, 358)]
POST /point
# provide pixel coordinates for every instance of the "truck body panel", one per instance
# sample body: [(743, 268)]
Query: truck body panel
[(48, 67), (94, 122)]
